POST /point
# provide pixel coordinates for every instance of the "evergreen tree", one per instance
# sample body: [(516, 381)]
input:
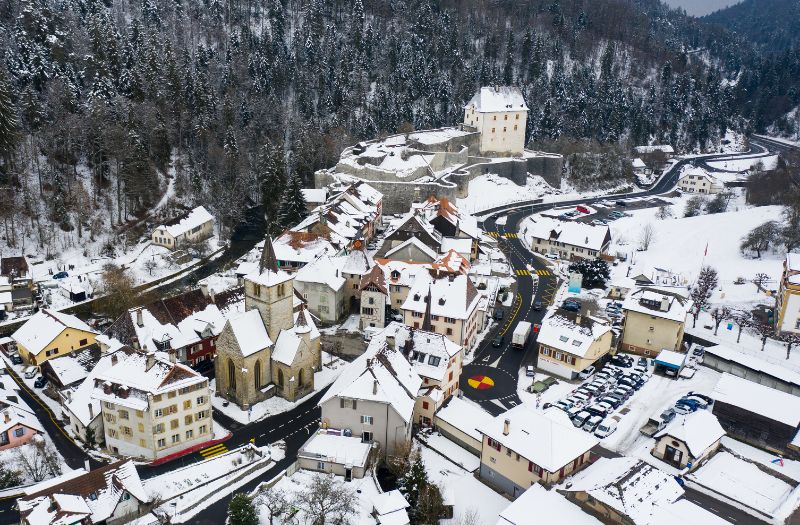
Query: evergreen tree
[(9, 126), (241, 510), (413, 484), (293, 204), (271, 173)]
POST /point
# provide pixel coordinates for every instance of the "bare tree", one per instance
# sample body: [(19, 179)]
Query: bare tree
[(702, 290), (763, 330), (743, 319), (470, 517), (327, 500), (646, 237), (790, 339), (120, 290), (720, 314), (39, 461), (276, 501), (760, 280), (150, 265), (664, 212)]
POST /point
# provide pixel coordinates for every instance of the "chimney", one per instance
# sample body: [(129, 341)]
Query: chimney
[(6, 417), (506, 426), (664, 303), (212, 295), (139, 320), (114, 359), (374, 387), (204, 289), (86, 465), (173, 356), (151, 360), (91, 411), (578, 319)]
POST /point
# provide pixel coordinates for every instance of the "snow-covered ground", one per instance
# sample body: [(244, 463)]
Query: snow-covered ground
[(744, 164), (488, 191), (455, 453), (331, 368)]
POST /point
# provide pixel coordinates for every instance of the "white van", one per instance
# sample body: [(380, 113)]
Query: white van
[(605, 429)]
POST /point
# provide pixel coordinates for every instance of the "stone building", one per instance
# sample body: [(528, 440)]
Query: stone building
[(270, 349)]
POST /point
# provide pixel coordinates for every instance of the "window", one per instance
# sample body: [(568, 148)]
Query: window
[(157, 398), (492, 130), (652, 328), (123, 414), (515, 127), (171, 394), (127, 431), (112, 433), (434, 360), (421, 357), (449, 320), (82, 342), (109, 405), (366, 437), (201, 400), (494, 444), (449, 331), (189, 434), (517, 117), (366, 420), (202, 414), (158, 429), (158, 413), (256, 290), (139, 414), (19, 432), (202, 429), (176, 438), (368, 311), (162, 443), (142, 443), (140, 426), (505, 117), (173, 424), (187, 420), (424, 405)]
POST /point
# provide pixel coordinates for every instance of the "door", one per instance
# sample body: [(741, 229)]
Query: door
[(673, 456), (348, 474)]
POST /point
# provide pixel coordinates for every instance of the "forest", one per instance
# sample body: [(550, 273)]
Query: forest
[(111, 109)]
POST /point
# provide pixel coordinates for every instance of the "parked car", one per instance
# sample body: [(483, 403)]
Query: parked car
[(692, 403), (16, 359), (530, 371), (60, 275), (701, 403), (397, 317), (683, 409), (31, 373), (582, 209), (553, 256), (580, 396), (621, 204), (497, 342), (581, 418), (537, 306), (699, 351), (40, 382), (587, 372), (597, 410), (707, 399), (564, 405), (574, 411), (642, 361), (499, 314), (667, 415), (605, 429), (592, 423), (611, 400)]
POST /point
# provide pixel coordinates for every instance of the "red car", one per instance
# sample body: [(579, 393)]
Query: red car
[(536, 328), (582, 209)]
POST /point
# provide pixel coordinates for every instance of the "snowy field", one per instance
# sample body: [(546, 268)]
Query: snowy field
[(744, 164), (488, 191)]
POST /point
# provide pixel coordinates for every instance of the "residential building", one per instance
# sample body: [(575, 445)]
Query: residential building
[(623, 490), (109, 495), (351, 215), (314, 197), (333, 452), (48, 334), (71, 369), (569, 343), (296, 249), (414, 225), (15, 279), (436, 359), (355, 264), (375, 300), (18, 425), (374, 397), (271, 348), (788, 299), (460, 228), (195, 226), (654, 320), (188, 323), (759, 415), (522, 446), (547, 505), (698, 180), (152, 407), (689, 439), (452, 302), (499, 113), (657, 153), (412, 250), (390, 508), (566, 239), (322, 285), (640, 168), (459, 421)]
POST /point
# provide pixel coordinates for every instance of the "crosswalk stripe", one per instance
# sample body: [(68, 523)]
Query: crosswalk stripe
[(215, 450)]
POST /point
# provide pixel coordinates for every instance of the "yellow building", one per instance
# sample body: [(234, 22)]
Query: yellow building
[(654, 320), (51, 334), (570, 343), (499, 113), (788, 307), (690, 438)]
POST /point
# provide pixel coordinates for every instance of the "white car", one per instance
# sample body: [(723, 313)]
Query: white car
[(587, 372), (553, 256), (529, 371), (31, 373), (605, 429)]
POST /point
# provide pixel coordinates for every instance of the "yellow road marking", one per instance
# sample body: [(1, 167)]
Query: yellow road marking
[(213, 451), (46, 408)]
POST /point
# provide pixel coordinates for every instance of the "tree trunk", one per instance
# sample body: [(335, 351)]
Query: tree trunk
[(788, 349), (763, 343), (739, 335)]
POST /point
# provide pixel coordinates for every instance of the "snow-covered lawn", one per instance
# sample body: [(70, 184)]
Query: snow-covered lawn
[(744, 164), (789, 468), (488, 191), (331, 368), (458, 455)]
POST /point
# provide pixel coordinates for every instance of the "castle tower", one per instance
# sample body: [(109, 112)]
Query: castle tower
[(271, 291)]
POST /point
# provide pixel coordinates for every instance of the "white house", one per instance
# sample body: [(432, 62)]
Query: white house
[(196, 226), (566, 239), (322, 285), (499, 113), (698, 180)]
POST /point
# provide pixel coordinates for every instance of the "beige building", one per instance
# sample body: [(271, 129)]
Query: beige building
[(566, 239), (321, 283), (521, 447), (499, 113), (374, 298), (49, 334), (459, 421), (334, 453), (374, 398), (690, 438), (654, 320), (570, 343), (152, 407), (788, 304), (270, 349), (196, 226), (697, 180)]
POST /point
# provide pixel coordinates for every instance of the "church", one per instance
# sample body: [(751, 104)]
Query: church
[(273, 348)]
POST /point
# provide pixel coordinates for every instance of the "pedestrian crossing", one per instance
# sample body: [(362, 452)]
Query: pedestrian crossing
[(214, 451), (542, 273), (503, 235)]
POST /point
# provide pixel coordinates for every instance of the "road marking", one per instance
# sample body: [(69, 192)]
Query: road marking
[(523, 272), (214, 451), (543, 272), (510, 236), (480, 382)]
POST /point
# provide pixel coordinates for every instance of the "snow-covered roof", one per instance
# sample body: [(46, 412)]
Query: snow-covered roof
[(413, 241), (572, 233), (44, 326), (683, 511), (452, 262), (492, 99), (315, 195), (6, 298), (665, 148), (561, 333), (453, 296), (428, 352), (145, 373), (649, 301), (698, 173), (671, 358), (333, 448), (289, 341), (545, 441), (12, 416), (68, 369), (380, 375), (388, 502), (80, 398), (464, 416), (755, 363), (628, 485), (461, 245), (357, 262), (250, 332), (406, 273), (268, 277), (699, 430), (638, 163), (301, 247), (759, 399), (323, 270), (547, 505), (196, 217), (793, 268)]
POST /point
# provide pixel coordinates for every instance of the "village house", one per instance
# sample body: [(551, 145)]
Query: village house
[(547, 505), (322, 285), (18, 425), (48, 334), (390, 508), (413, 226), (459, 421), (788, 298), (569, 343), (333, 452), (387, 283), (759, 415), (374, 398), (152, 407), (314, 197), (521, 447), (654, 320), (355, 264), (655, 156), (689, 439), (567, 239), (435, 358), (71, 369), (640, 169), (188, 323), (698, 180), (108, 495), (271, 348), (459, 230), (452, 301), (293, 250), (195, 226), (412, 250), (352, 215), (16, 283), (499, 113)]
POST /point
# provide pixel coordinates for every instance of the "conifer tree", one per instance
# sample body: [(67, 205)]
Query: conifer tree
[(9, 126), (293, 204)]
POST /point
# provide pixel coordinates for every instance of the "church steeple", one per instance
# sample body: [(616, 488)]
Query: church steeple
[(426, 321), (268, 259)]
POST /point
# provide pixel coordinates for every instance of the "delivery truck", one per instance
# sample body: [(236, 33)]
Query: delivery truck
[(521, 334)]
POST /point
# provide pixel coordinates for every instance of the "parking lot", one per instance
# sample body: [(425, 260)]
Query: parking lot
[(606, 211)]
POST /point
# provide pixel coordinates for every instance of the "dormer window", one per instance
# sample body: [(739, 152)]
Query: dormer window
[(416, 297), (563, 338), (441, 301)]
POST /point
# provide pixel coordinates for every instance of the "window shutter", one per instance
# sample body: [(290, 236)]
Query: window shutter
[(341, 403), (355, 404)]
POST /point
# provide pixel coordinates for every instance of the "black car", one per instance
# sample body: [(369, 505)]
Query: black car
[(40, 382), (642, 362), (499, 314), (17, 360), (571, 306), (621, 204), (537, 306), (699, 351), (497, 342)]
